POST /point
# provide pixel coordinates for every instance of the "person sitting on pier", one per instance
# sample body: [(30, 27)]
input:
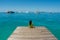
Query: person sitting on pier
[(30, 24)]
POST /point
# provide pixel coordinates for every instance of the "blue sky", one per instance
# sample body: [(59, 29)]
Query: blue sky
[(30, 5)]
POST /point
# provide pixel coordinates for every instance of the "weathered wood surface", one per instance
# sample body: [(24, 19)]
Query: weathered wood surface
[(37, 33)]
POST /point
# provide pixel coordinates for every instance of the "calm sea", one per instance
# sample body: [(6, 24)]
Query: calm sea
[(9, 22)]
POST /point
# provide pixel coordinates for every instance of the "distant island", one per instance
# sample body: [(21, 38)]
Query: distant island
[(10, 12)]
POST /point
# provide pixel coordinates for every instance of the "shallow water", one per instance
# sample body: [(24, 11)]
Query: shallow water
[(9, 22)]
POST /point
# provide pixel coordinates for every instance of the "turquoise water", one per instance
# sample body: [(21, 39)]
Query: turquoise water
[(9, 22)]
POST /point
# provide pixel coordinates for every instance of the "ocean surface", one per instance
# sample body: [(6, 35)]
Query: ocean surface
[(9, 22)]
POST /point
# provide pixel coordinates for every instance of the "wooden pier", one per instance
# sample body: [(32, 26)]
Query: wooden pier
[(37, 33)]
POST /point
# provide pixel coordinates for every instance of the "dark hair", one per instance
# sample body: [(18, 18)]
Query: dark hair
[(30, 22)]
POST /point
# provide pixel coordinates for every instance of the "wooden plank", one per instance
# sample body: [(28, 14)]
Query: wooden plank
[(37, 33)]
